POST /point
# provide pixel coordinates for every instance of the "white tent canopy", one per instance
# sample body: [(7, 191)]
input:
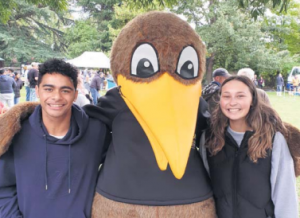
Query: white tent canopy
[(91, 59)]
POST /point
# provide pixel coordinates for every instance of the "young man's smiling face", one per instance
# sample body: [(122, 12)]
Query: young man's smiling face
[(57, 94)]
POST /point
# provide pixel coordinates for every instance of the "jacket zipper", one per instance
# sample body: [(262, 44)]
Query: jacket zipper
[(234, 184)]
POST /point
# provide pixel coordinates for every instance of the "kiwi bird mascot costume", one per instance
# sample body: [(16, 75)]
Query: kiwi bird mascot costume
[(152, 169)]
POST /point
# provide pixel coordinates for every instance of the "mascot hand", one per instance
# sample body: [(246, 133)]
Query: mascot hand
[(293, 140), (10, 122)]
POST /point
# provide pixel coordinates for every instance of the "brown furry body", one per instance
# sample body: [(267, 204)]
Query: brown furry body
[(105, 208)]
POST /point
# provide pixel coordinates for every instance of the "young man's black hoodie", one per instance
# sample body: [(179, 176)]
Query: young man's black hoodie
[(42, 176)]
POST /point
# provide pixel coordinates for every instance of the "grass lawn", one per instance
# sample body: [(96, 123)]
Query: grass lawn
[(287, 107)]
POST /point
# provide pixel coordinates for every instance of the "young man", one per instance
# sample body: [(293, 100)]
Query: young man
[(210, 92), (18, 87), (32, 77), (51, 167), (7, 85)]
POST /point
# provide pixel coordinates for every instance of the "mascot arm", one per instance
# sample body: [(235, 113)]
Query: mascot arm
[(293, 140), (202, 120), (10, 123), (109, 106)]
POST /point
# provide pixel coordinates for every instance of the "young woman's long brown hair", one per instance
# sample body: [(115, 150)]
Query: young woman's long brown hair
[(262, 119)]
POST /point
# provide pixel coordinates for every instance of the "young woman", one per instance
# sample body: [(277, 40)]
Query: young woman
[(247, 157)]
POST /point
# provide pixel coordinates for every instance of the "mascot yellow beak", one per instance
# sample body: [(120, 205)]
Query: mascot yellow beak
[(166, 115)]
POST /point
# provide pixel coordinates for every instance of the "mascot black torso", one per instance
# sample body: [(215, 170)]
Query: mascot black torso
[(130, 173)]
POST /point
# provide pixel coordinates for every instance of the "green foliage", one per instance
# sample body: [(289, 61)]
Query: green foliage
[(31, 33), (83, 36), (101, 13), (105, 21), (124, 13), (258, 7), (284, 36), (233, 39), (7, 7), (141, 4), (284, 29)]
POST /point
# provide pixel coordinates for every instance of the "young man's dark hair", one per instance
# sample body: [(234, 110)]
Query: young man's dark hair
[(2, 71), (58, 66)]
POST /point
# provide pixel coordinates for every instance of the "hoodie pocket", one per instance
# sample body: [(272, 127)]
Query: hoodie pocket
[(59, 180)]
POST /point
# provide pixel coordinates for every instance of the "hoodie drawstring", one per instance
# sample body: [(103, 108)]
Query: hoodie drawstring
[(69, 168), (46, 166)]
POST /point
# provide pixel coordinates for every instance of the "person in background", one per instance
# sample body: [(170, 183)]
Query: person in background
[(105, 78), (255, 80), (295, 83), (279, 83), (248, 72), (32, 77), (261, 82), (87, 84), (102, 79), (18, 87), (26, 82), (10, 72), (82, 93), (211, 92), (7, 85), (247, 156), (96, 87)]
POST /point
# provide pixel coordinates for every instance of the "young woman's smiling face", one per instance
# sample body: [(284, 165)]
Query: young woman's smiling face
[(235, 102)]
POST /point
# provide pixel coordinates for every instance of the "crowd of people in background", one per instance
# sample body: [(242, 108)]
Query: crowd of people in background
[(259, 82), (91, 82), (90, 85)]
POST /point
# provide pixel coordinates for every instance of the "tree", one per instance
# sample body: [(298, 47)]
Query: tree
[(82, 36), (105, 21), (257, 6), (233, 39), (8, 6), (32, 33), (101, 13), (284, 36), (124, 14), (284, 29)]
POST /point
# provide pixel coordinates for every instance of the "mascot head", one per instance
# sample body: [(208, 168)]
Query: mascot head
[(158, 62)]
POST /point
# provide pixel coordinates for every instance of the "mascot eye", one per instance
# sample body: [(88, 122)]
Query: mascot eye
[(188, 63), (144, 61)]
